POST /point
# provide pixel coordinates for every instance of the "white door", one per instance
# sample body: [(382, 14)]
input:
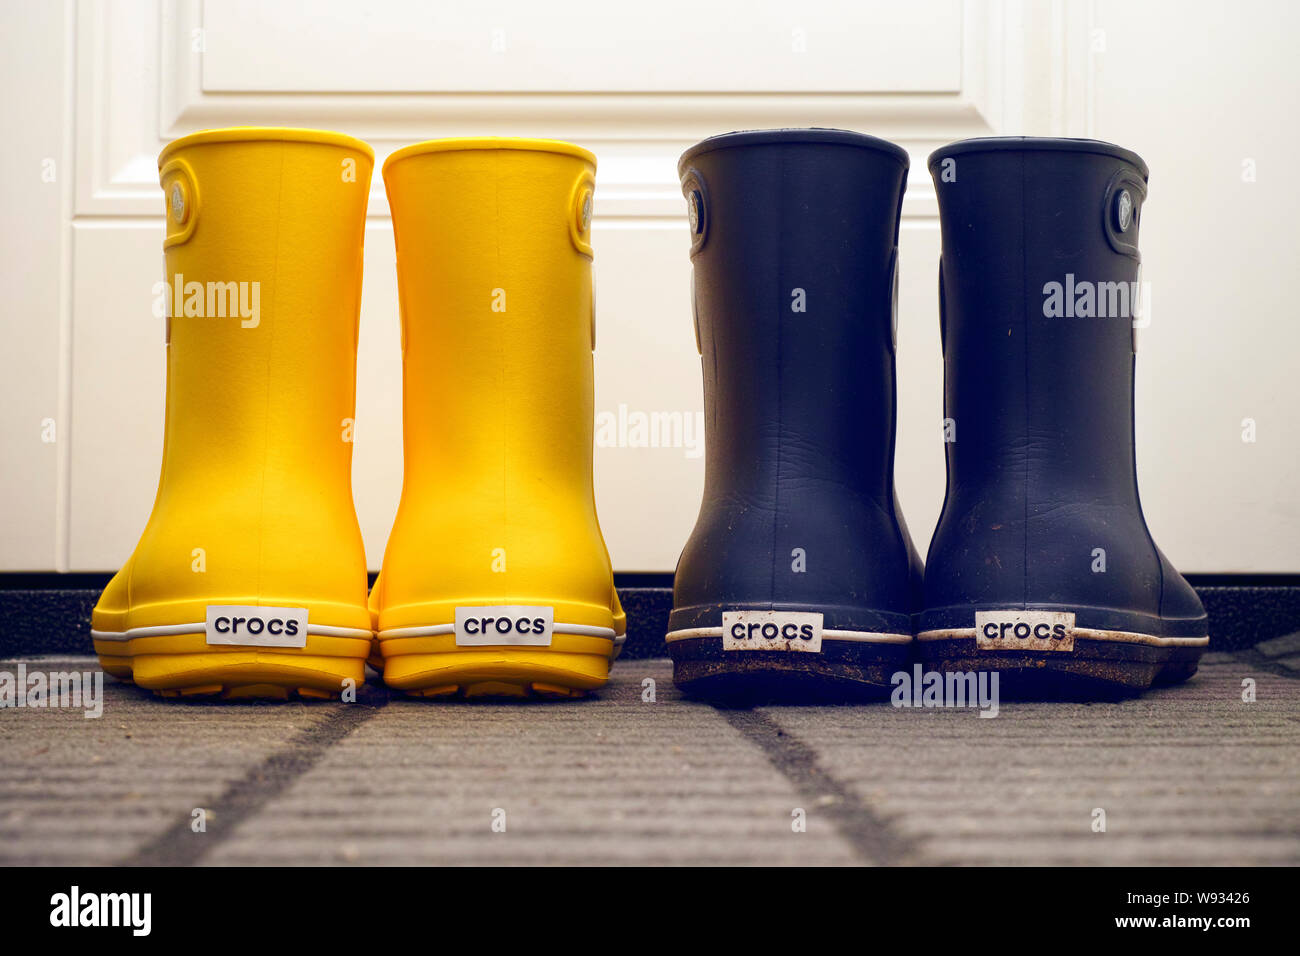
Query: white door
[(1206, 94)]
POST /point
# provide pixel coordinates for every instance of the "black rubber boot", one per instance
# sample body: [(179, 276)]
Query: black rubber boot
[(1042, 566), (800, 579)]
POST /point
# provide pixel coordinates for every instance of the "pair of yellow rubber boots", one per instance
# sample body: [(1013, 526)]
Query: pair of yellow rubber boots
[(250, 578)]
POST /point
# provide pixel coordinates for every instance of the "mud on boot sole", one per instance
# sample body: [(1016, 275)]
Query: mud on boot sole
[(843, 670), (1101, 664)]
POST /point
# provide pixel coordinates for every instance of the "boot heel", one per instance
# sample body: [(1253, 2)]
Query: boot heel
[(569, 668), (186, 666), (857, 666), (1099, 664)]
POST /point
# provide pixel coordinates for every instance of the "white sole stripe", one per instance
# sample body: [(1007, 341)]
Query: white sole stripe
[(434, 630), (1084, 633), (858, 637), (173, 630)]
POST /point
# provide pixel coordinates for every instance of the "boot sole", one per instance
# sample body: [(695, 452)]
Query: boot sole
[(185, 665), (852, 665), (1102, 663), (431, 665)]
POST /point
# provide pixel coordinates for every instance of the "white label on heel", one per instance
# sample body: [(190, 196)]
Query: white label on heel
[(244, 626), (772, 631), (1024, 630), (514, 624)]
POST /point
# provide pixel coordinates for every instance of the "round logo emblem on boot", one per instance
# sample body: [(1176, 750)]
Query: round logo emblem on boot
[(1123, 210), (180, 200), (179, 209), (697, 208), (581, 203)]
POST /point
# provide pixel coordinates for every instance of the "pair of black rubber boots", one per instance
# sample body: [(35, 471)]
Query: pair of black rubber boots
[(800, 578)]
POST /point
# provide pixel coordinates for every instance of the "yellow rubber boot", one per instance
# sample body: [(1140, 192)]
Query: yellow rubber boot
[(496, 579), (250, 577)]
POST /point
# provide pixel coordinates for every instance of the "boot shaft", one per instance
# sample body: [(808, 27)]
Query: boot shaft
[(1039, 292), (263, 263), (794, 236), (494, 272)]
